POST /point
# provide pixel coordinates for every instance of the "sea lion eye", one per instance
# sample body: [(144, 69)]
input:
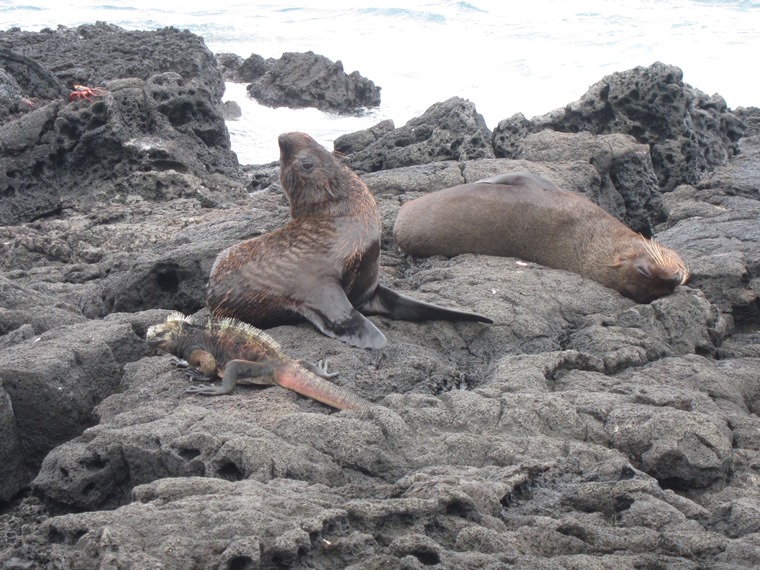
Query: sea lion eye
[(643, 270), (307, 164)]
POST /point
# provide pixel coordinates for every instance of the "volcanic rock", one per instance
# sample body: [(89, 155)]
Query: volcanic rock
[(299, 80), (579, 430)]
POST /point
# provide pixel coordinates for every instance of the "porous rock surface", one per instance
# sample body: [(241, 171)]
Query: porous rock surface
[(450, 130), (689, 132), (580, 430), (153, 131), (298, 80)]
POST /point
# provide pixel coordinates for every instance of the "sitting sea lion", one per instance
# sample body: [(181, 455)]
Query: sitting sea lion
[(523, 215), (323, 265)]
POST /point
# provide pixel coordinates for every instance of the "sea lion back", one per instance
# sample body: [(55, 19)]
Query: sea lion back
[(502, 215), (525, 216)]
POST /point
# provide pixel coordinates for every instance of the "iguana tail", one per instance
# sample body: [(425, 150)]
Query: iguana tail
[(294, 377)]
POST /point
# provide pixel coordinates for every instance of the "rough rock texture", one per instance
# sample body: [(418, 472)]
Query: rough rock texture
[(85, 55), (689, 132), (24, 85), (628, 186), (451, 130), (229, 65), (353, 142), (580, 430), (298, 80), (164, 134)]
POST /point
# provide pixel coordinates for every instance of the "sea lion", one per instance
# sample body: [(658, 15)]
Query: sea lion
[(323, 265), (523, 215)]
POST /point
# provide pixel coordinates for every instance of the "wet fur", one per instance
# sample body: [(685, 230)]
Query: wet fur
[(323, 265)]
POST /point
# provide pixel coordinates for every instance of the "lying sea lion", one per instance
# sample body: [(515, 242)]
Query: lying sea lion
[(523, 215), (323, 265)]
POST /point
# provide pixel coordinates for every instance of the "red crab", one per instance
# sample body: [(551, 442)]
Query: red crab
[(83, 92)]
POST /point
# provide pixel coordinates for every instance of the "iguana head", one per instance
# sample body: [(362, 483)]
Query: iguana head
[(166, 335)]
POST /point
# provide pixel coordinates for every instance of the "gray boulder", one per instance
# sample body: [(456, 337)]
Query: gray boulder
[(129, 137), (298, 80), (689, 132), (13, 473), (25, 85), (54, 382), (85, 55), (451, 130), (63, 156)]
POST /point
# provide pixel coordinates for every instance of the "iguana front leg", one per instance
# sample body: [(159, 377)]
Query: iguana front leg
[(191, 373), (179, 362), (234, 370)]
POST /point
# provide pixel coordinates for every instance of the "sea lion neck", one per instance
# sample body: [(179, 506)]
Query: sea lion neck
[(313, 180)]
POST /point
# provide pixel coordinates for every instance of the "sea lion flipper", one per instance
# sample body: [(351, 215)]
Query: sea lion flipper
[(394, 305), (336, 317)]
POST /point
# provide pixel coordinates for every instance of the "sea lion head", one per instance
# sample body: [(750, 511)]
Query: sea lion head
[(311, 176), (648, 271)]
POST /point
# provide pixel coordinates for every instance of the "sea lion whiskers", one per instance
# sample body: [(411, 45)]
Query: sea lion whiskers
[(666, 258), (654, 250)]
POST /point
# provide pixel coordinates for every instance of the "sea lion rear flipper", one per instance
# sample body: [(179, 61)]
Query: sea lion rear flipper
[(389, 303), (336, 317)]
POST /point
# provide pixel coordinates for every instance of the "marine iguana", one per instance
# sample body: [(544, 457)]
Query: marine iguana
[(240, 353)]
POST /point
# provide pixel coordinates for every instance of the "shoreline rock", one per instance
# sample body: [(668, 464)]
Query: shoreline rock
[(298, 80), (580, 430)]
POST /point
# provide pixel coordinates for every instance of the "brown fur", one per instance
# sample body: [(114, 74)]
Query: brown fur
[(522, 215), (334, 234), (323, 265)]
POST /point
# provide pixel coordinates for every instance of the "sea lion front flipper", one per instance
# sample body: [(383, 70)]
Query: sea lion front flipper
[(396, 306), (336, 317)]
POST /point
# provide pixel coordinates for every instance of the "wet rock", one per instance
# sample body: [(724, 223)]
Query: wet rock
[(251, 68), (450, 130), (231, 110), (229, 65), (85, 55), (298, 80)]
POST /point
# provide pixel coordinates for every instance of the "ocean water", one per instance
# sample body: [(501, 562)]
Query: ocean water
[(506, 57)]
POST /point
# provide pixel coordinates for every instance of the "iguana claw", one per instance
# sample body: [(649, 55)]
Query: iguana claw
[(179, 362)]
